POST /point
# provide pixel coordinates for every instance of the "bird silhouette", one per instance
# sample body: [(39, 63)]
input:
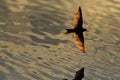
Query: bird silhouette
[(79, 74), (78, 30)]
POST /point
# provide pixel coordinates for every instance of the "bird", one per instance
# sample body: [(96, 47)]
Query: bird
[(78, 30), (79, 74)]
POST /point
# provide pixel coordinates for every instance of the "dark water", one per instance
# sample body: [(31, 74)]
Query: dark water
[(33, 45)]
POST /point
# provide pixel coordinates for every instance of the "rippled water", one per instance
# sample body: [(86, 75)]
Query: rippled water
[(33, 45)]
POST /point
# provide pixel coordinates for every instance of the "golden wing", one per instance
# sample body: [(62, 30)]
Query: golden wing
[(79, 40), (78, 18)]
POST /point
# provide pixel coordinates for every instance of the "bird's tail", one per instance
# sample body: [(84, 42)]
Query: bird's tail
[(69, 31)]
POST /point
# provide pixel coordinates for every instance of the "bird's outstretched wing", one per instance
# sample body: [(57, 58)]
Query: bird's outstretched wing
[(79, 74), (78, 19), (79, 40)]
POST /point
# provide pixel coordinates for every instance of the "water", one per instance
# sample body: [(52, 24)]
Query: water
[(33, 45)]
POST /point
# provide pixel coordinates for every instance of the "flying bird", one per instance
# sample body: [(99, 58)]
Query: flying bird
[(79, 74), (78, 30)]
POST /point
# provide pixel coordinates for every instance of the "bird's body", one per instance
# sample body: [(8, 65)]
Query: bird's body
[(78, 30)]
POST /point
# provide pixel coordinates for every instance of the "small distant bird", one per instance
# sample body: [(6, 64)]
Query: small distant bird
[(79, 75), (78, 30)]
